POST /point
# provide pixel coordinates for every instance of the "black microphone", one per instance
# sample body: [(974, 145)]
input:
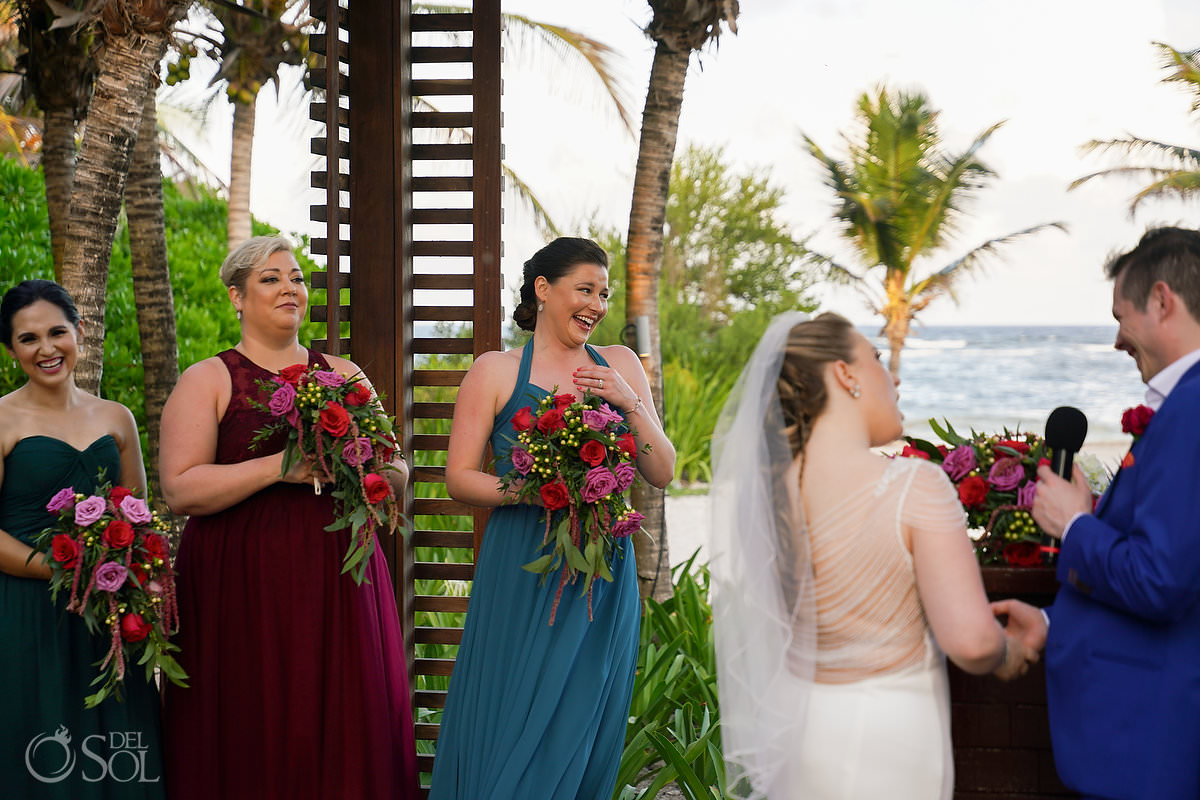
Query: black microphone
[(1066, 428)]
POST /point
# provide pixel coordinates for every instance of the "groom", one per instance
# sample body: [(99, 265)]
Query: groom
[(1123, 653)]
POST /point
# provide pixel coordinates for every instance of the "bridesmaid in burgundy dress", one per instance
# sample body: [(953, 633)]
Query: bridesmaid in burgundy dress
[(298, 686)]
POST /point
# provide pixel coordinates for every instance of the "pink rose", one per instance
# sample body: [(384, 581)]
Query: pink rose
[(283, 400), (357, 451), (109, 576), (596, 420), (1026, 494), (521, 460), (625, 473), (598, 484), (135, 510), (1006, 474), (328, 377), (627, 524), (63, 499), (89, 510), (959, 462)]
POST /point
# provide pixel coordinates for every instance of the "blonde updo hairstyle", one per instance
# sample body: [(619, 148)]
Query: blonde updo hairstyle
[(253, 252), (552, 262), (802, 394)]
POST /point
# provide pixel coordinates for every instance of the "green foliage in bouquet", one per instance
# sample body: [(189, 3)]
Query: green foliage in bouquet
[(109, 553), (995, 476)]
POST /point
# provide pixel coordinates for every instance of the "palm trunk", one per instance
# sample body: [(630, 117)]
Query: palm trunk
[(239, 173), (58, 172), (126, 75), (151, 283), (652, 178), (897, 317)]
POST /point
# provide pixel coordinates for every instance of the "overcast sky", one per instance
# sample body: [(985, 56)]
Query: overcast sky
[(1060, 72)]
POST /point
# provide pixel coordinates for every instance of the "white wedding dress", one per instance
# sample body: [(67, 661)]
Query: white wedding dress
[(877, 721)]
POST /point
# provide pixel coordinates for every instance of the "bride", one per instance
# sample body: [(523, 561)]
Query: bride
[(840, 578)]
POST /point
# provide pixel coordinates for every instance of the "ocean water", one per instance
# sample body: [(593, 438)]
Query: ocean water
[(990, 377)]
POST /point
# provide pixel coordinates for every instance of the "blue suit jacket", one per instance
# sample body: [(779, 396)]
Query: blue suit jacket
[(1123, 655)]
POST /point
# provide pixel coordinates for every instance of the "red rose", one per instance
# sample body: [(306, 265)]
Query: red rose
[(627, 444), (376, 488), (359, 395), (134, 628), (118, 494), (335, 419), (551, 421), (1135, 419), (64, 550), (1012, 444), (555, 495), (155, 546), (913, 452), (118, 534), (294, 373), (592, 452), (138, 571), (561, 401), (1022, 554), (972, 491), (945, 451), (523, 420), (1043, 462)]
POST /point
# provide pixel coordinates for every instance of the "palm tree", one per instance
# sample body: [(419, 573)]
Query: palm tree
[(151, 283), (1178, 171), (901, 198), (678, 27), (135, 39)]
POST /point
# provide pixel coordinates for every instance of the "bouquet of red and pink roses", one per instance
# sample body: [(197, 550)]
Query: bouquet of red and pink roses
[(335, 421), (110, 552), (577, 458), (996, 479)]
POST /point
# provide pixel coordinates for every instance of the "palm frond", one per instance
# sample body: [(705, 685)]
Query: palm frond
[(521, 191), (942, 281), (1122, 172), (1184, 67), (1183, 157), (1180, 184), (844, 276)]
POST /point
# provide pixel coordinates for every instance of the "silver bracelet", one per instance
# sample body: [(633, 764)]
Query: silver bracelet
[(635, 408)]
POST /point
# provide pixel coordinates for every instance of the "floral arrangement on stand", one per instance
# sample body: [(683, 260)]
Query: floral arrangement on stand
[(576, 458), (336, 422), (109, 551), (996, 479)]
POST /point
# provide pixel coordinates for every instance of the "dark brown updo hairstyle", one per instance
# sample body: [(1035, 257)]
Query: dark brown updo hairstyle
[(810, 346), (552, 262), (26, 293)]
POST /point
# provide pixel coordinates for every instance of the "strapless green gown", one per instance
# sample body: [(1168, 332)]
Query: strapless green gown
[(50, 745)]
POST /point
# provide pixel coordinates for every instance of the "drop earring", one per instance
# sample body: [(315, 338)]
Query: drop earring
[(239, 314), (541, 306)]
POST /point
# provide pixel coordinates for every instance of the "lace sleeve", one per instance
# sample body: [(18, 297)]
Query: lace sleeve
[(931, 503)]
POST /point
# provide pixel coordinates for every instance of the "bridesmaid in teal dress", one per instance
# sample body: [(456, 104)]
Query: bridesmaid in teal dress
[(54, 434), (538, 711)]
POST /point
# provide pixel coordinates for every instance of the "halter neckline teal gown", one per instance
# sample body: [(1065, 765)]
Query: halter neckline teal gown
[(537, 712), (47, 665)]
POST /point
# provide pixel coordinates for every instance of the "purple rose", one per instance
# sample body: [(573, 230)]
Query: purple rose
[(110, 575), (625, 473), (613, 416), (357, 451), (89, 510), (328, 377), (1006, 474), (1026, 494), (65, 498), (283, 401), (598, 483), (596, 420), (522, 461), (135, 510), (959, 462), (627, 524), (293, 418)]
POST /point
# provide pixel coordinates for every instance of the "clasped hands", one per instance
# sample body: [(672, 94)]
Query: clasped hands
[(1025, 634)]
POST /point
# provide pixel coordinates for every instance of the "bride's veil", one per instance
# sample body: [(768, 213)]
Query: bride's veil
[(764, 616)]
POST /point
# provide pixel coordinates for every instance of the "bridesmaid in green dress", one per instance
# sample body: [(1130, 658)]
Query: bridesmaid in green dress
[(54, 434)]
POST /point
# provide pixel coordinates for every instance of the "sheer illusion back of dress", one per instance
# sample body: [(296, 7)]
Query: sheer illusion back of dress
[(869, 616)]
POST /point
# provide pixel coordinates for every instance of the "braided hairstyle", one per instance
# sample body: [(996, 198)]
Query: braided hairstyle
[(801, 386), (552, 262)]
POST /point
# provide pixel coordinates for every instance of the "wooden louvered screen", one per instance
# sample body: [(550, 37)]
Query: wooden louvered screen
[(412, 218)]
